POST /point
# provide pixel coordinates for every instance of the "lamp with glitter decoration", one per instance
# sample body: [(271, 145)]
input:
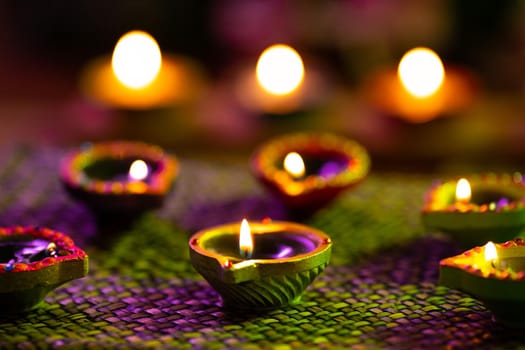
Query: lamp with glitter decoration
[(119, 176), (34, 261), (261, 265), (494, 274), (308, 170), (483, 208)]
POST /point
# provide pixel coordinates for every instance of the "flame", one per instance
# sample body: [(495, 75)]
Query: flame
[(294, 164), (280, 70), (245, 240), (136, 60), (421, 72), (138, 170), (491, 252), (463, 191)]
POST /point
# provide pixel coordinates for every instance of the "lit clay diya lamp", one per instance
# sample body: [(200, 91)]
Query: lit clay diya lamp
[(494, 274), (308, 170), (120, 176), (34, 261), (484, 208), (262, 265)]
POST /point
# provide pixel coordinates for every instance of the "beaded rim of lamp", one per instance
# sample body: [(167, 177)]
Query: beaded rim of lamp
[(313, 188), (23, 285), (72, 168), (476, 224), (501, 290), (260, 283)]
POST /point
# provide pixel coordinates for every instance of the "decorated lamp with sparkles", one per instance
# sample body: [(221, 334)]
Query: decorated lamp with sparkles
[(484, 208), (34, 261), (494, 274), (119, 176), (308, 170), (260, 265)]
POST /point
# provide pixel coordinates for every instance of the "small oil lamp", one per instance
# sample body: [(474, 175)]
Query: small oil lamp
[(34, 261), (139, 77), (119, 176), (421, 89), (308, 170), (260, 265), (486, 207), (494, 274)]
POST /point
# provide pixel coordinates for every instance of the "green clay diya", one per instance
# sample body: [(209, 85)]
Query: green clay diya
[(492, 208), (494, 274), (34, 261), (119, 176), (308, 170), (262, 265)]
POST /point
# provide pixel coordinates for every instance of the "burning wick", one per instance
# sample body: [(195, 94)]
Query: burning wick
[(463, 191), (136, 60), (294, 165), (491, 254), (421, 72), (280, 70), (245, 240), (138, 170)]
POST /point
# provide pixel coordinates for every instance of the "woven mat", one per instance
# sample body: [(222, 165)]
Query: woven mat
[(378, 292)]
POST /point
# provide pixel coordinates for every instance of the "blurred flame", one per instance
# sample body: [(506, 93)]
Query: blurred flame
[(294, 164), (138, 170), (245, 240), (136, 59), (421, 72), (280, 70), (463, 191), (490, 252)]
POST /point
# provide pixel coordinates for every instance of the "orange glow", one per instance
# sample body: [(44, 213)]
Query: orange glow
[(463, 191), (136, 60), (491, 253), (421, 72), (280, 70), (245, 240), (138, 170), (294, 164)]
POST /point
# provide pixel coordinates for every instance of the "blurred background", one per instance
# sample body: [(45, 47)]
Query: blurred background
[(45, 48)]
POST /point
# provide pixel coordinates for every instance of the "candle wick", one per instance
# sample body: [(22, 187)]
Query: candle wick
[(246, 253)]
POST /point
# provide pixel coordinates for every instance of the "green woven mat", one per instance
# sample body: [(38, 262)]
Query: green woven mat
[(379, 291)]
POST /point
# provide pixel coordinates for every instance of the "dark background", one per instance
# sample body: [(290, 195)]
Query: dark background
[(44, 47)]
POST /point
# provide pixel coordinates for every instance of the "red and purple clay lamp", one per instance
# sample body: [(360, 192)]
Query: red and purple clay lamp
[(494, 274), (261, 265), (486, 207), (34, 261), (119, 176), (308, 170)]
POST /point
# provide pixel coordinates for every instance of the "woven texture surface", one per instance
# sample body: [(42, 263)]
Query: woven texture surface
[(378, 292)]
